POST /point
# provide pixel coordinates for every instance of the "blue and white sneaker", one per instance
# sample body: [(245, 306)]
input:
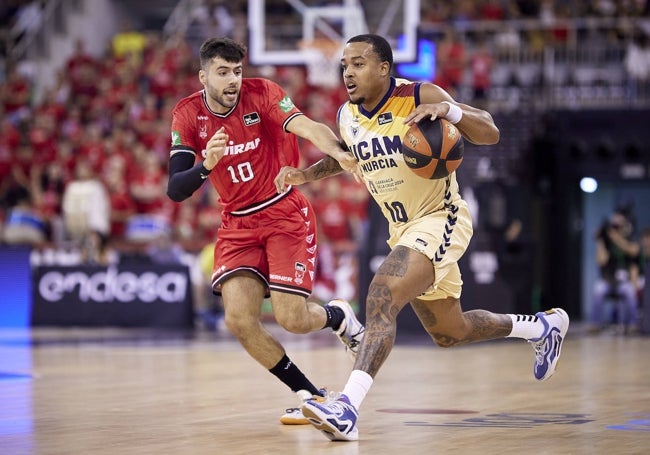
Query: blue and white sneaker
[(548, 347), (351, 331), (337, 419)]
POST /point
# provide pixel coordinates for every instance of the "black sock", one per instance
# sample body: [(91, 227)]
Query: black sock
[(335, 316), (287, 372)]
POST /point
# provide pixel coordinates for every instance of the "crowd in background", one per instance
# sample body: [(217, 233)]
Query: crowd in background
[(85, 167)]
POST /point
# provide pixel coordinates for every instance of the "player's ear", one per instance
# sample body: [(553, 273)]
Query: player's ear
[(385, 69), (202, 76)]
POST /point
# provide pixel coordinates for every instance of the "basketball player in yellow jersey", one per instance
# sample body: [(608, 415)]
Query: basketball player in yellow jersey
[(430, 229)]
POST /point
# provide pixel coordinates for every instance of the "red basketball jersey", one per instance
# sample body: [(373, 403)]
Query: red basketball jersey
[(258, 144)]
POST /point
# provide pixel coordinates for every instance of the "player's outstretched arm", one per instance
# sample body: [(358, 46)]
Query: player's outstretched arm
[(292, 176), (324, 138)]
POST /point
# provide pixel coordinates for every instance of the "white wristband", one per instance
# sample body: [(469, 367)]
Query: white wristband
[(455, 113)]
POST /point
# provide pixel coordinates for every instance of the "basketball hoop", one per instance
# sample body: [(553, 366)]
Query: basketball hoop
[(323, 62)]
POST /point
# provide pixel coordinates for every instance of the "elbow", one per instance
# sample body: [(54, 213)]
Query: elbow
[(494, 136), (176, 196)]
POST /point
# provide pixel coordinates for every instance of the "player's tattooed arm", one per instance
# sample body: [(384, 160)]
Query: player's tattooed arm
[(289, 175), (326, 167)]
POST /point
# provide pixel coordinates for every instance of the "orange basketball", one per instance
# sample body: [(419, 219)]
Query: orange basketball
[(433, 149)]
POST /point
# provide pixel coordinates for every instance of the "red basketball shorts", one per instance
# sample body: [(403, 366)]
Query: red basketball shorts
[(278, 244)]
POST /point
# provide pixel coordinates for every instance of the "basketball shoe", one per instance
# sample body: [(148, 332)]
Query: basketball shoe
[(337, 419), (548, 347), (293, 416), (351, 331)]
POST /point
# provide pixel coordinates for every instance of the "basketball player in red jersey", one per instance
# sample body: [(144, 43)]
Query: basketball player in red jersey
[(237, 134)]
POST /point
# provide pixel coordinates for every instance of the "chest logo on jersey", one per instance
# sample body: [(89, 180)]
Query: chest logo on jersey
[(251, 119), (355, 126), (203, 126), (385, 118), (377, 152)]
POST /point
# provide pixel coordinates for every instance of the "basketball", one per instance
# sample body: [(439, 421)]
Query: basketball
[(433, 149)]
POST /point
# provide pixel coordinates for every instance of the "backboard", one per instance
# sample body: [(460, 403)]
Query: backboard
[(291, 32)]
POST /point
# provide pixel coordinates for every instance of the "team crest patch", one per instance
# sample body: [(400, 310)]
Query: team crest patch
[(355, 126), (300, 273), (251, 119), (286, 104), (385, 118)]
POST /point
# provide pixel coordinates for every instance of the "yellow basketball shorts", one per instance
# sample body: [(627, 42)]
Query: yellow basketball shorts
[(443, 237)]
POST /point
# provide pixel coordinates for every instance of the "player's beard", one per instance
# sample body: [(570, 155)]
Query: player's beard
[(220, 98), (359, 101)]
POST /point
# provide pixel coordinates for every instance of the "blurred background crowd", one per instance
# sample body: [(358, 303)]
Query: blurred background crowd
[(84, 147)]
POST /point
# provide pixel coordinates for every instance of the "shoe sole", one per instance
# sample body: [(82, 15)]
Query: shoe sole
[(320, 423), (563, 331), (291, 419), (284, 421)]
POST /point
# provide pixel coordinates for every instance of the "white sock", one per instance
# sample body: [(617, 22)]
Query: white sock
[(357, 387), (526, 326)]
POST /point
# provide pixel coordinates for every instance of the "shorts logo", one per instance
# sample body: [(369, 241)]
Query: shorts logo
[(300, 272)]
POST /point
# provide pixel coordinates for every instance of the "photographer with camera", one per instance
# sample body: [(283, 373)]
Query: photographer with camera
[(617, 256)]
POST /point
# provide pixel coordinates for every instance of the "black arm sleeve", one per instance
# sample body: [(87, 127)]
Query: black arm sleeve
[(184, 179)]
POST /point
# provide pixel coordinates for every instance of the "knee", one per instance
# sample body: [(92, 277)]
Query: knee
[(293, 323), (238, 325), (445, 341)]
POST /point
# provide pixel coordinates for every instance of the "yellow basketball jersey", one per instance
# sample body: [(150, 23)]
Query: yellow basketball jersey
[(375, 139)]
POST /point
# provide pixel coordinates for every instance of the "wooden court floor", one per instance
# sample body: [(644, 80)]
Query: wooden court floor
[(114, 391)]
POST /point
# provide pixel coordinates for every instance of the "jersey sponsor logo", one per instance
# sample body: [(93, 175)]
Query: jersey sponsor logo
[(378, 147), (237, 149), (377, 154), (378, 164), (385, 118), (251, 119), (286, 104), (176, 138)]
